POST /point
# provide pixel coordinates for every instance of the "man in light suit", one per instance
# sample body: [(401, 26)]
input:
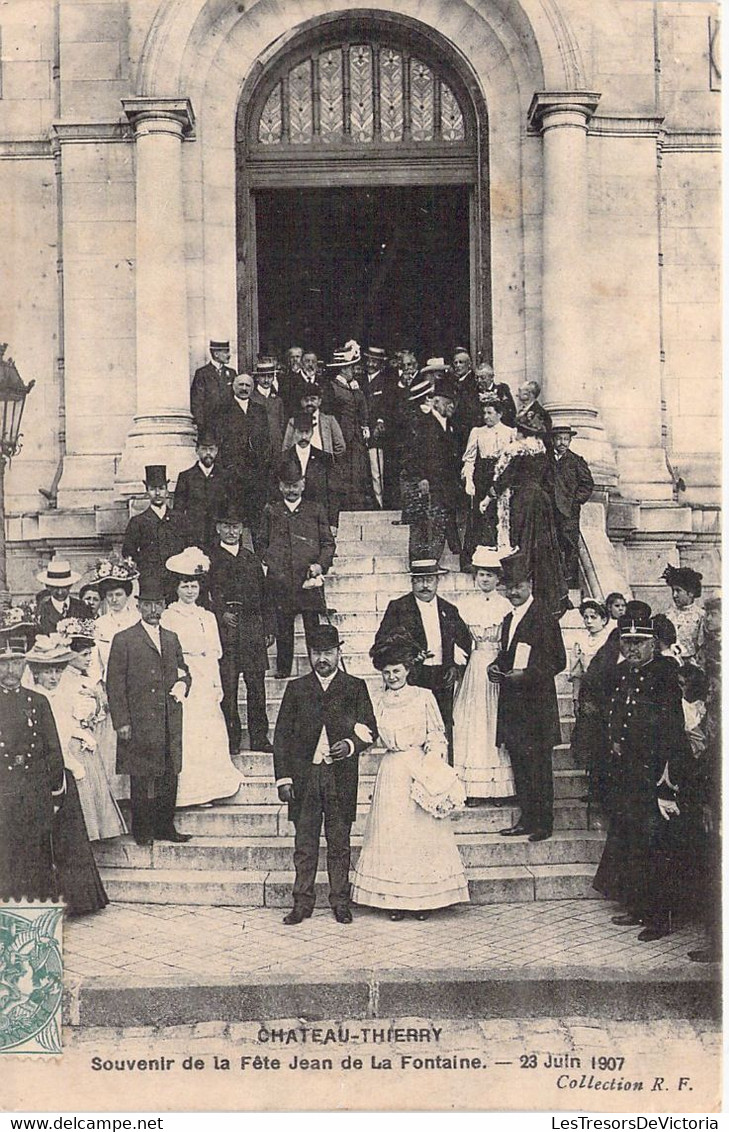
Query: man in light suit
[(573, 485), (326, 720), (437, 626), (147, 680), (531, 654)]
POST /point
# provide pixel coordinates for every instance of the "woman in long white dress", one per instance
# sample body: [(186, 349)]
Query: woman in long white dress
[(409, 859), (85, 696), (207, 771), (483, 767)]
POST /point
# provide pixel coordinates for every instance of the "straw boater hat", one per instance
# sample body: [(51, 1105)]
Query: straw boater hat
[(486, 558), (435, 367), (376, 353), (51, 649), (425, 568), (421, 388), (564, 428), (190, 563), (58, 572), (266, 365), (348, 355)]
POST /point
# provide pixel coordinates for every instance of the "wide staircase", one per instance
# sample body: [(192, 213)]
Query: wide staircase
[(242, 850)]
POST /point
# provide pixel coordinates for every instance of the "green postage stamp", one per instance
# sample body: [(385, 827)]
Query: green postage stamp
[(31, 978)]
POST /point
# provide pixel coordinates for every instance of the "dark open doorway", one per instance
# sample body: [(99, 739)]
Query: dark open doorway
[(388, 266)]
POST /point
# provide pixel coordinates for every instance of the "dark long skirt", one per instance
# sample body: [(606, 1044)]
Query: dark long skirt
[(533, 530), (79, 883), (26, 856)]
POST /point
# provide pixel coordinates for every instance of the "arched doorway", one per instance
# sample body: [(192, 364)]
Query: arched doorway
[(362, 193)]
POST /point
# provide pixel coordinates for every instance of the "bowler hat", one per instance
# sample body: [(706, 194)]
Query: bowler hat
[(150, 589), (289, 470), (206, 437), (230, 512), (445, 386), (323, 637)]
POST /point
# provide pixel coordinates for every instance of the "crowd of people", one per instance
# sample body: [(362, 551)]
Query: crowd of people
[(129, 692)]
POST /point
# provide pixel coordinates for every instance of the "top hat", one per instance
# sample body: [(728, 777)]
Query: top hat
[(348, 355), (190, 563), (218, 344), (206, 436), (51, 649), (685, 577), (58, 572), (376, 353), (485, 558), (323, 637), (155, 475), (515, 568), (425, 568)]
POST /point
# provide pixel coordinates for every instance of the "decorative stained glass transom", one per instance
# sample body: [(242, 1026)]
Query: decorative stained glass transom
[(359, 94)]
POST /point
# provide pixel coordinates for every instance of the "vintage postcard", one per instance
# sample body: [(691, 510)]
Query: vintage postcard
[(360, 556)]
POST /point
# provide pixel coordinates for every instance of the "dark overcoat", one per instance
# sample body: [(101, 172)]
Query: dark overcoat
[(433, 455), (138, 683), (573, 484), (245, 457), (528, 716), (199, 500), (31, 781), (273, 407), (467, 413), (305, 709), (211, 389), (237, 585), (150, 541), (288, 543)]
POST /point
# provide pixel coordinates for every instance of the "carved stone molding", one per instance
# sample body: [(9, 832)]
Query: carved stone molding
[(140, 111)]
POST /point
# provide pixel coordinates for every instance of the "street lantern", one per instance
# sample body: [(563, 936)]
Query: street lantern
[(13, 393)]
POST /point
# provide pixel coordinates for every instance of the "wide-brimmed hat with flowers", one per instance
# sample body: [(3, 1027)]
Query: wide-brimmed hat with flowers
[(348, 355), (114, 568), (49, 649), (18, 627), (77, 629)]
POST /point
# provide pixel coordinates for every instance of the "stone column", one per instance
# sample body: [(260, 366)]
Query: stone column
[(162, 432), (567, 381)]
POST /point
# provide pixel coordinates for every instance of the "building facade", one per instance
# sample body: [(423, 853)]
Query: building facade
[(179, 170)]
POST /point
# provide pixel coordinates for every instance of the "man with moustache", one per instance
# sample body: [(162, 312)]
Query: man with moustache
[(375, 391), (527, 724), (432, 462), (157, 533), (245, 451), (326, 720), (146, 681), (200, 493), (271, 402), (573, 485)]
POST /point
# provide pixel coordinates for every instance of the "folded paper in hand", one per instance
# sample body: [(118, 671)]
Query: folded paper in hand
[(313, 583), (522, 654)]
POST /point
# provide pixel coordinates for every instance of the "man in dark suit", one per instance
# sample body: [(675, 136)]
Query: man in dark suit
[(326, 720), (245, 451), (467, 411), (147, 680), (310, 463), (271, 402), (55, 603), (375, 391), (156, 534), (201, 492), (573, 485), (211, 387), (296, 545), (432, 461), (239, 601), (531, 654), (527, 395), (438, 628), (489, 388)]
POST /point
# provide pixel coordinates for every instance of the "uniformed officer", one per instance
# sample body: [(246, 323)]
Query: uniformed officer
[(644, 864), (32, 782)]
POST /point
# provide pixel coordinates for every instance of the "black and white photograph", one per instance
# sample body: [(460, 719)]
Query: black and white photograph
[(360, 556)]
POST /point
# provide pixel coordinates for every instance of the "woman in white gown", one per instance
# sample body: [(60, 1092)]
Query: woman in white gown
[(409, 859), (207, 771), (483, 767)]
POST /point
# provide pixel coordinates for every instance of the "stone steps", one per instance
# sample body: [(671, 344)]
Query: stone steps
[(259, 764), (256, 854), (498, 884)]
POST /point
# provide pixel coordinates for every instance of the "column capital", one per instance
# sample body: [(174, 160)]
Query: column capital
[(561, 108), (173, 114)]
